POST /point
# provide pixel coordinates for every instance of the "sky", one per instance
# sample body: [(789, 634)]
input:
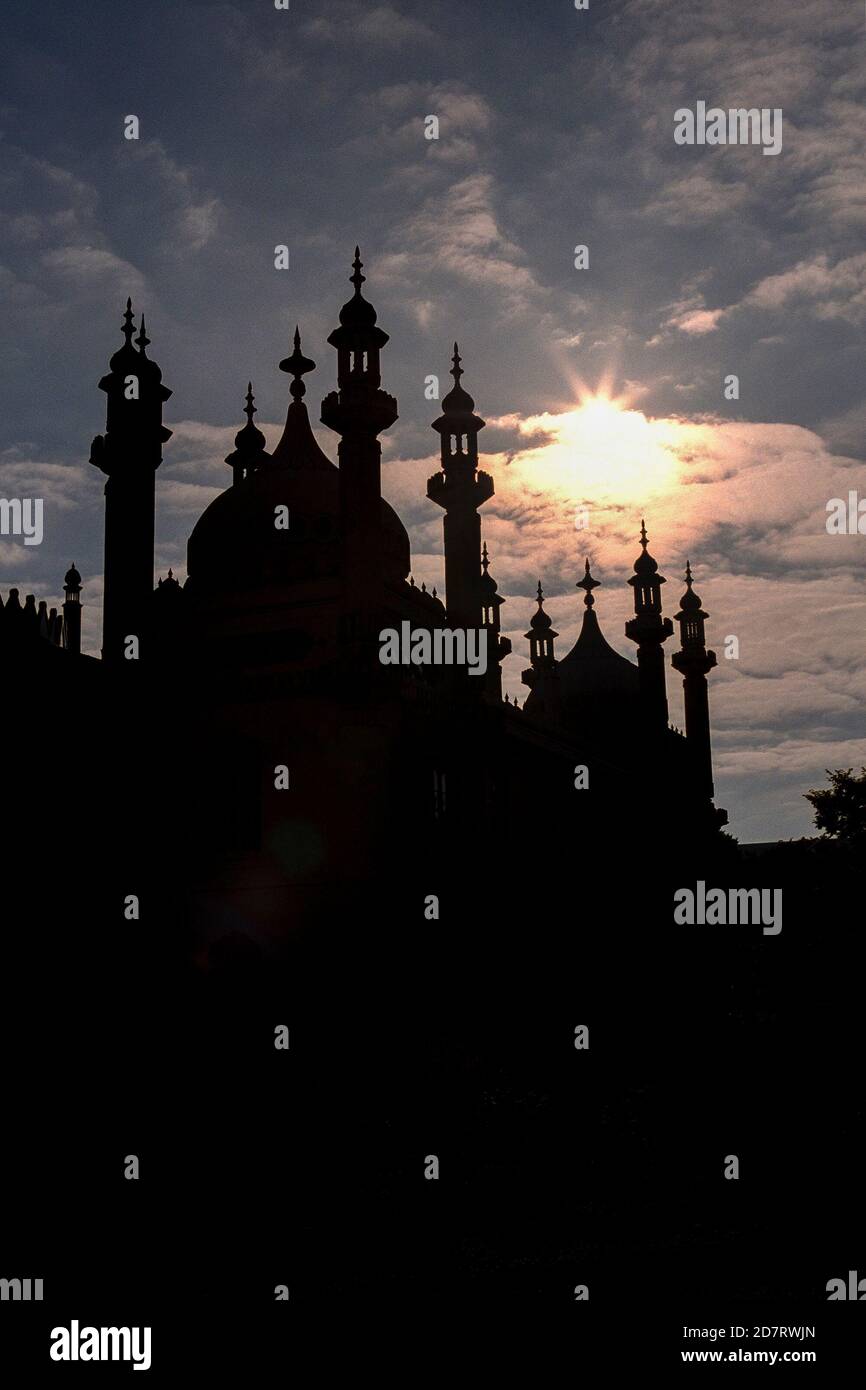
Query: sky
[(602, 387)]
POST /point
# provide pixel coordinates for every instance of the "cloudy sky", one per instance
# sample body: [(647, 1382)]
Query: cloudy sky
[(603, 387)]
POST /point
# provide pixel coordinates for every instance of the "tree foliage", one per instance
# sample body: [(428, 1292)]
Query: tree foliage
[(840, 809)]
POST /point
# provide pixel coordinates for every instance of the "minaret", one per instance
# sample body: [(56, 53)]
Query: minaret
[(693, 661), (541, 637), (498, 647), (72, 611), (460, 488), (650, 630), (129, 453), (358, 411), (249, 450)]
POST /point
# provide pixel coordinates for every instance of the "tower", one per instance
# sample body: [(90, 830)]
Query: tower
[(72, 611), (358, 411), (129, 453), (649, 630), (460, 489), (498, 647), (541, 637), (693, 661)]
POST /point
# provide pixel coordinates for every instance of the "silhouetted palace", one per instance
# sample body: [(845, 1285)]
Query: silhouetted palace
[(241, 736)]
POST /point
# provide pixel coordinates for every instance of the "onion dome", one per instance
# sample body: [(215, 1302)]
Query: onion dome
[(690, 600), (249, 450), (357, 312), (72, 579), (458, 418), (540, 621), (126, 359), (644, 564), (458, 401)]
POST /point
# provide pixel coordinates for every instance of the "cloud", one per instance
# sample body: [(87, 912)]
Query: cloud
[(193, 218), (381, 26)]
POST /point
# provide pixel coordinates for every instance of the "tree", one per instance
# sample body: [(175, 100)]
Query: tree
[(840, 809)]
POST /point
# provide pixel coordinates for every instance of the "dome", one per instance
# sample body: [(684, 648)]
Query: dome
[(690, 601), (644, 565), (592, 667), (72, 579), (235, 545), (126, 358), (356, 312)]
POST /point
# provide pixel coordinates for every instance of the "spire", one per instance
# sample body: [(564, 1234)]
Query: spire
[(691, 617), (357, 312), (142, 340), (297, 447), (587, 583), (459, 403), (490, 600), (356, 278), (249, 450), (358, 342), (690, 600), (458, 425), (645, 564), (125, 359), (297, 365), (541, 637)]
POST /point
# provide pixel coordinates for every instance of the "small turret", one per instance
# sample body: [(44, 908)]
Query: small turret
[(693, 661)]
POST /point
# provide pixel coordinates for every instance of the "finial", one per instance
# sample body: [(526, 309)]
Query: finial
[(540, 594), (643, 535), (485, 563), (128, 325), (297, 365), (171, 573), (434, 591), (456, 369), (356, 278), (250, 408), (689, 580), (587, 583), (142, 340)]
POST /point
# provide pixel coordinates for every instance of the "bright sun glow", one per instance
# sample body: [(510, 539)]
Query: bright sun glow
[(602, 452)]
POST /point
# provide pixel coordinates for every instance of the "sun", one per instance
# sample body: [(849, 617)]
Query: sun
[(603, 452)]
